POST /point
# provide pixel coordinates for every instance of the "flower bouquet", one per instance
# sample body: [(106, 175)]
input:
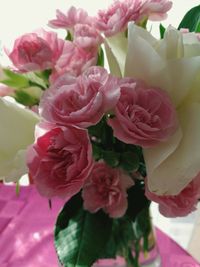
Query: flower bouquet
[(109, 121)]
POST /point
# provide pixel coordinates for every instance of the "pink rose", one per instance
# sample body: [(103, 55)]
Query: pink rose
[(106, 189), (181, 204), (143, 116), (72, 17), (36, 51), (74, 60), (117, 16), (80, 101), (87, 37), (60, 160), (155, 9)]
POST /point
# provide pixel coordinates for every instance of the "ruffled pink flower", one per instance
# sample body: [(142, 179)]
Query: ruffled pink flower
[(106, 189), (5, 90), (117, 16), (181, 204), (143, 116), (155, 10), (60, 160), (74, 60), (72, 17), (87, 37), (80, 101), (36, 51)]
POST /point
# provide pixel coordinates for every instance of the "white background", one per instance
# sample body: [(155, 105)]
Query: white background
[(21, 16)]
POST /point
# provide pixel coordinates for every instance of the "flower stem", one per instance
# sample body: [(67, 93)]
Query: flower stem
[(130, 260)]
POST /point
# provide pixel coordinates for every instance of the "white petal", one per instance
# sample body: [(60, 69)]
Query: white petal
[(142, 60), (16, 133), (116, 48), (171, 47), (12, 170), (156, 155), (146, 62), (174, 173), (173, 64)]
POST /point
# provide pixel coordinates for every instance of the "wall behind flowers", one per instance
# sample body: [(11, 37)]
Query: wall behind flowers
[(21, 16)]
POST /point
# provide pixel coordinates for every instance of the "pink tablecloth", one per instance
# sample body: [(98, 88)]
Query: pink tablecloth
[(26, 232)]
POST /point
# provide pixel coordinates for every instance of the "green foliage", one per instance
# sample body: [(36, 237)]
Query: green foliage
[(98, 130), (129, 161), (143, 23), (142, 224), (14, 79), (191, 20), (162, 31), (121, 239), (97, 152), (127, 238), (114, 152), (136, 200), (23, 97), (111, 158), (69, 36), (41, 78), (36, 79), (80, 236), (112, 248), (17, 188), (27, 87), (100, 59)]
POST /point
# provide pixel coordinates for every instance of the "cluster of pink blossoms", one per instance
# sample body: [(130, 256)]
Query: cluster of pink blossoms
[(80, 94), (43, 50), (61, 161), (116, 18)]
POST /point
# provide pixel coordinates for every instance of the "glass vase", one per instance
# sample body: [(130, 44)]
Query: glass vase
[(149, 258)]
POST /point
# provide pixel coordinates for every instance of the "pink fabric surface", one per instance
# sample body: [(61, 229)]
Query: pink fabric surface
[(26, 232)]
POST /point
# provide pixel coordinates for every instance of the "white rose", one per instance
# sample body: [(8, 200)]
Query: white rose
[(16, 133), (173, 64)]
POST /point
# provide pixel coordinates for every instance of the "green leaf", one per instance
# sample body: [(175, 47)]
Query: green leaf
[(111, 248), (111, 158), (14, 79), (97, 130), (24, 98), (136, 194), (103, 133), (191, 20), (100, 60), (97, 152), (142, 169), (80, 236), (129, 161), (143, 226), (69, 36), (142, 223), (35, 80), (162, 31), (143, 23), (44, 77), (17, 188)]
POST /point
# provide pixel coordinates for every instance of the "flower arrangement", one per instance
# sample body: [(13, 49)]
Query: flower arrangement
[(108, 140)]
